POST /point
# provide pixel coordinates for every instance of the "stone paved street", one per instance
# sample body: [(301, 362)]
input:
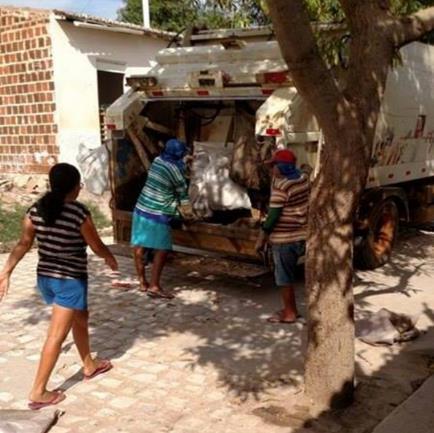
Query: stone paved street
[(206, 361)]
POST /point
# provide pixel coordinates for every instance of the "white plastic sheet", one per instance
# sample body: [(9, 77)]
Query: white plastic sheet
[(27, 421), (93, 165), (386, 327), (211, 187)]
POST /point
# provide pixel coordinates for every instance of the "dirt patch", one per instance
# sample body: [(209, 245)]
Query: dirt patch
[(19, 192), (209, 266)]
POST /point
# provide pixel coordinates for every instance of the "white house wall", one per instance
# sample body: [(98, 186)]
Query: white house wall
[(78, 53)]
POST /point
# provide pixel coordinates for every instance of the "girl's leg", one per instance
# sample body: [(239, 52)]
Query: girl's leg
[(61, 322), (80, 332), (139, 261)]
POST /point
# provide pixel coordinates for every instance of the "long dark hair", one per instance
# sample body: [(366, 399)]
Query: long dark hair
[(63, 179)]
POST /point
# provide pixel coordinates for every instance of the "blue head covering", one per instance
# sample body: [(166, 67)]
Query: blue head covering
[(288, 170), (174, 152)]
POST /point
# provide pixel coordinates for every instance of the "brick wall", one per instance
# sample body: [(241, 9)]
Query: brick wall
[(27, 124)]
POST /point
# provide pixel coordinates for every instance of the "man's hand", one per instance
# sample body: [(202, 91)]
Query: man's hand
[(261, 242), (4, 285)]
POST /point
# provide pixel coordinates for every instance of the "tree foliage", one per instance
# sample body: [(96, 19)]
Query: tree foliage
[(331, 10), (176, 15), (131, 12)]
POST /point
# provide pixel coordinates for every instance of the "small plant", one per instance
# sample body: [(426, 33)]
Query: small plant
[(100, 220), (10, 223)]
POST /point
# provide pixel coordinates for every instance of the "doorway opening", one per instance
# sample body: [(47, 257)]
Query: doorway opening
[(110, 88)]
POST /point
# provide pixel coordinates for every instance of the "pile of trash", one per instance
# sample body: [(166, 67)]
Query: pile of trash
[(386, 328), (211, 188)]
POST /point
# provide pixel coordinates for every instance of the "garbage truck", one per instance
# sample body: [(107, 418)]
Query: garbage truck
[(229, 95)]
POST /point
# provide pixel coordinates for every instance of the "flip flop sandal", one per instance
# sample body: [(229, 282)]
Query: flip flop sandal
[(36, 405), (121, 284), (276, 319), (105, 366), (159, 295)]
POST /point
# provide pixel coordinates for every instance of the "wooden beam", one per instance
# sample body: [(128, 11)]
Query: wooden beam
[(157, 126), (150, 147), (138, 145)]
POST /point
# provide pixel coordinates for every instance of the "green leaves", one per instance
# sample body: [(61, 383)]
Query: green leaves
[(331, 11), (131, 12), (325, 10), (176, 15)]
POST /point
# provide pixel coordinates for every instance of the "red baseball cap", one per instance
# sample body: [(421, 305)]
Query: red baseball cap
[(282, 155)]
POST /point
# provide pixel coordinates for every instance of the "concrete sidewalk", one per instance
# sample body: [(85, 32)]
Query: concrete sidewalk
[(415, 415)]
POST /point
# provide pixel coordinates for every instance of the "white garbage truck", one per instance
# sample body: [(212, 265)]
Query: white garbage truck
[(229, 96)]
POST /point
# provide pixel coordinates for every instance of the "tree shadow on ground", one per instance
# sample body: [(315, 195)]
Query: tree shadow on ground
[(407, 262), (221, 320), (378, 392), (386, 375), (216, 322)]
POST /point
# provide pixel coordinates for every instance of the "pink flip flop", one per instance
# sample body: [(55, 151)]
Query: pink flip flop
[(105, 366), (124, 284), (277, 318), (160, 294), (57, 398)]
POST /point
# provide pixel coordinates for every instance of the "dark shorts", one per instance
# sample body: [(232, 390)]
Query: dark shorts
[(285, 257), (67, 293)]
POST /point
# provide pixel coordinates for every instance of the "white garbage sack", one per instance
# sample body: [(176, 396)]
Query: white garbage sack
[(93, 164), (386, 327), (27, 421), (211, 188)]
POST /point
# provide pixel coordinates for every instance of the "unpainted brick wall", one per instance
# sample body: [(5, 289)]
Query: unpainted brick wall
[(27, 124)]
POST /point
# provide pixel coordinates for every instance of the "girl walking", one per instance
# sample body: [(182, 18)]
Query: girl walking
[(63, 228)]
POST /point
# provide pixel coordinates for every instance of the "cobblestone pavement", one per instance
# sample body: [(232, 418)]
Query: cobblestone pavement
[(203, 362)]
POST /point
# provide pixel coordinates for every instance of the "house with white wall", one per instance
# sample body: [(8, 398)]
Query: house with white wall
[(58, 72)]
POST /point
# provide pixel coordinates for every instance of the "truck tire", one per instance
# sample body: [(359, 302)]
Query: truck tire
[(375, 248)]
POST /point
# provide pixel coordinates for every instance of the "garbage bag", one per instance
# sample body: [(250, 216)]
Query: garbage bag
[(27, 421), (94, 165), (386, 327), (211, 188)]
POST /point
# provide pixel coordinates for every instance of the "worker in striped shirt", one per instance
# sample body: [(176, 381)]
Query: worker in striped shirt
[(163, 198), (285, 228)]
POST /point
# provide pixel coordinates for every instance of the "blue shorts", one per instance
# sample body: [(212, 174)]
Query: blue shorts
[(67, 293), (285, 257)]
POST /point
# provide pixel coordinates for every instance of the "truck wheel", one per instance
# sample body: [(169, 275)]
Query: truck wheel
[(376, 247)]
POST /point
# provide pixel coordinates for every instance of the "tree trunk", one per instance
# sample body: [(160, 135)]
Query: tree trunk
[(329, 366), (347, 115)]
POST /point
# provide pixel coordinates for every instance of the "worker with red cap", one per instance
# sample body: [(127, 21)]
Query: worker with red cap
[(285, 227)]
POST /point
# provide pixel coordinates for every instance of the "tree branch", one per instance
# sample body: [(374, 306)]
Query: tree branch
[(411, 28), (359, 14), (370, 54), (300, 51)]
